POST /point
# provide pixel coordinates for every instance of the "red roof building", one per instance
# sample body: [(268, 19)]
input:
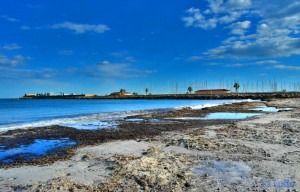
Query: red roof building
[(120, 93), (213, 91)]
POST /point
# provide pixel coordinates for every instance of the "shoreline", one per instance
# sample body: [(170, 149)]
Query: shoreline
[(254, 96), (126, 130), (141, 148), (112, 114)]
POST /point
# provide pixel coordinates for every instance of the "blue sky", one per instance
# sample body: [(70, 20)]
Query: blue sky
[(102, 46)]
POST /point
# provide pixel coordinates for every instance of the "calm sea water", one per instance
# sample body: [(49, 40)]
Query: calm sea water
[(31, 113)]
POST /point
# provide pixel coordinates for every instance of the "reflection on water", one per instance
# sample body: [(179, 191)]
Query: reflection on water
[(224, 115), (221, 115), (271, 109), (39, 148)]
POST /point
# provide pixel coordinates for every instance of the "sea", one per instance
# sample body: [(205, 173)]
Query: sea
[(17, 113)]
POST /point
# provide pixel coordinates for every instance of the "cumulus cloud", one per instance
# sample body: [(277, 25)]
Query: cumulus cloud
[(258, 48), (274, 31), (238, 4), (12, 61), (81, 28), (239, 28), (11, 47), (219, 12), (196, 19)]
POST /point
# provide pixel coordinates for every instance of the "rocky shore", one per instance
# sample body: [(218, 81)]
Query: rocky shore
[(176, 152)]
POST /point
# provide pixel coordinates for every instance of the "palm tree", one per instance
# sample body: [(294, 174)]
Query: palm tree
[(146, 90), (236, 86), (190, 89), (122, 91)]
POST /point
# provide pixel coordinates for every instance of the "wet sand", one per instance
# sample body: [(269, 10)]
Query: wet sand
[(260, 153)]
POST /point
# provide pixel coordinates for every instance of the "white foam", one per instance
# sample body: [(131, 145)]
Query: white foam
[(213, 105), (79, 121), (204, 106)]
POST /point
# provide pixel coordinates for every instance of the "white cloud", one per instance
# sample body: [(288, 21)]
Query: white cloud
[(219, 12), (27, 74), (238, 4), (11, 47), (12, 61), (262, 62), (10, 19), (215, 6), (123, 55), (266, 62), (236, 65), (231, 17), (274, 31), (239, 28), (81, 28), (287, 67), (258, 48), (196, 19), (25, 27)]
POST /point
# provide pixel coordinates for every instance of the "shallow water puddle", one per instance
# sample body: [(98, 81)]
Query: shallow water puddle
[(159, 121), (39, 148), (91, 125), (224, 115), (270, 109), (232, 172), (221, 115)]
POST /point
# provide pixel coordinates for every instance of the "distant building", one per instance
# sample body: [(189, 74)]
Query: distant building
[(30, 95), (213, 91), (89, 95), (50, 94), (120, 93)]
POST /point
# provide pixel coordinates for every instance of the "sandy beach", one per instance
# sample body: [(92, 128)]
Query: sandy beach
[(177, 153)]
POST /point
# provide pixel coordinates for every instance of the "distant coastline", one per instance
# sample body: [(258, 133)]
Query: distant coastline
[(258, 95)]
